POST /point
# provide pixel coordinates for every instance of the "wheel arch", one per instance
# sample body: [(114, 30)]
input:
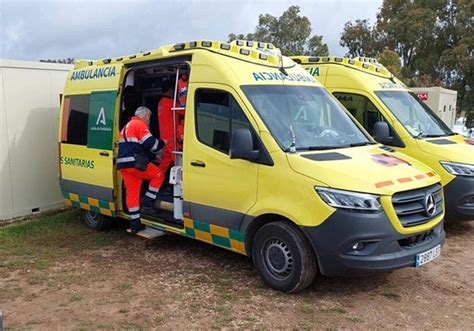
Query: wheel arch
[(252, 225)]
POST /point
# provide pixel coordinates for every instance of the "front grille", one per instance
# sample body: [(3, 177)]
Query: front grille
[(410, 205)]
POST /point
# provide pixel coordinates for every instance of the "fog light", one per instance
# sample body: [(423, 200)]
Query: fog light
[(358, 246), (468, 202)]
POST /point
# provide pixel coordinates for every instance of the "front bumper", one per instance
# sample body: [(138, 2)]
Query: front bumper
[(455, 193), (384, 248)]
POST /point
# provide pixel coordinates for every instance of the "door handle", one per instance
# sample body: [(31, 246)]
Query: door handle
[(103, 153), (197, 163)]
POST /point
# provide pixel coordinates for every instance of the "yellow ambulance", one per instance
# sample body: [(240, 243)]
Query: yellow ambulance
[(272, 166), (394, 116)]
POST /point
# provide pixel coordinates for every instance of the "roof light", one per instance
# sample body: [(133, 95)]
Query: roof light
[(338, 59), (106, 61), (365, 65), (263, 56), (378, 69), (148, 53), (119, 59), (261, 45), (250, 43), (313, 59), (244, 51), (206, 44), (225, 46), (270, 46), (352, 61), (132, 56), (239, 42), (297, 61), (326, 59), (193, 44), (179, 47)]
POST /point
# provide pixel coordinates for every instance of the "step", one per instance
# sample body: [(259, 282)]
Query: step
[(149, 233)]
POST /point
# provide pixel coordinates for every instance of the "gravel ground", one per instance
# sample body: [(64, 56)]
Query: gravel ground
[(57, 274)]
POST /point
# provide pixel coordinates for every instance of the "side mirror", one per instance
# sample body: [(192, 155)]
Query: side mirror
[(242, 146), (382, 133)]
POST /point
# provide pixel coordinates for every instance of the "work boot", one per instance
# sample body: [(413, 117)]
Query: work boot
[(147, 207), (136, 226)]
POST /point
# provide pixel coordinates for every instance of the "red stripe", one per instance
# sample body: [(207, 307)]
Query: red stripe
[(431, 174), (405, 180), (422, 176), (382, 184)]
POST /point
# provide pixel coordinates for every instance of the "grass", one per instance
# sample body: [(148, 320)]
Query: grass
[(223, 318), (36, 244), (392, 295), (31, 248)]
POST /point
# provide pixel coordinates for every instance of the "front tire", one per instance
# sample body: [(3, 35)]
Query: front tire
[(94, 220), (283, 257)]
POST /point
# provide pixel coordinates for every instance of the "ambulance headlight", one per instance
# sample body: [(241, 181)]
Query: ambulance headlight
[(350, 200), (458, 169)]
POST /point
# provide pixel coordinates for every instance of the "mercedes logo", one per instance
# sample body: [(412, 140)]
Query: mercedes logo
[(430, 205)]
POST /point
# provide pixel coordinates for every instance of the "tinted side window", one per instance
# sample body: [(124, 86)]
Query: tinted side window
[(217, 114), (75, 120), (362, 109)]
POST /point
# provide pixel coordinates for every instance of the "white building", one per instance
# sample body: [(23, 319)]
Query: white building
[(442, 101), (29, 117)]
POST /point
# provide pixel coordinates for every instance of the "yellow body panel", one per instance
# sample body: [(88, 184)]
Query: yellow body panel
[(286, 189), (365, 77), (85, 165)]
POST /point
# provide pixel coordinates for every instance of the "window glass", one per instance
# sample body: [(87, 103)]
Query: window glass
[(362, 109), (75, 120), (217, 112), (304, 117), (419, 120)]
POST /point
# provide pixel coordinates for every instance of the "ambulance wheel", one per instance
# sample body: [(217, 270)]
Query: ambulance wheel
[(283, 257), (94, 220)]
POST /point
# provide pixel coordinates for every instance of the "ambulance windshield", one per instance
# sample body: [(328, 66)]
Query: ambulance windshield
[(415, 116), (304, 117)]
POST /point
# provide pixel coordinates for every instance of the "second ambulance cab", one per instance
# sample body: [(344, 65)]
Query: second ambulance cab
[(394, 116), (270, 165)]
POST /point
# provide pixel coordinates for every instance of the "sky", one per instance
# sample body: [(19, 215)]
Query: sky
[(87, 29)]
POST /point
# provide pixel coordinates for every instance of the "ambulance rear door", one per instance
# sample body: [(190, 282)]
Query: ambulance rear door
[(88, 133)]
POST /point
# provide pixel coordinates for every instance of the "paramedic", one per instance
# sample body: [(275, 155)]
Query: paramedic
[(136, 148), (165, 120), (183, 90)]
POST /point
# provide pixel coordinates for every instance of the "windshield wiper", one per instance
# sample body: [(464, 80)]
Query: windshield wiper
[(321, 148), (431, 135), (362, 143)]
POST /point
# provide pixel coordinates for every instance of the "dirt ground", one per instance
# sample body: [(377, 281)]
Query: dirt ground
[(57, 274)]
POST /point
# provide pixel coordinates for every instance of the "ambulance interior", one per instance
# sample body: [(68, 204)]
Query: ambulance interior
[(143, 86)]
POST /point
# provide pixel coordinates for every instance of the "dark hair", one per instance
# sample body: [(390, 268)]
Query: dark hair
[(168, 85)]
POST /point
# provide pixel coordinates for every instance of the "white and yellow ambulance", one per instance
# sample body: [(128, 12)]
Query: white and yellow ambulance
[(390, 112), (272, 167)]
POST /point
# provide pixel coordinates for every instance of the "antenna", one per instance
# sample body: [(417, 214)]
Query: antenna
[(280, 62)]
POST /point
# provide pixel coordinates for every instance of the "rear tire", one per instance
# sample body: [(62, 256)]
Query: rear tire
[(94, 220), (283, 257)]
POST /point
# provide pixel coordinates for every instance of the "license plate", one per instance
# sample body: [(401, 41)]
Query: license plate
[(428, 256)]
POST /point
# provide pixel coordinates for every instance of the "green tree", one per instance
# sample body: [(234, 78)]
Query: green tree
[(433, 38), (316, 47), (361, 39), (391, 61), (457, 56), (405, 25), (290, 32)]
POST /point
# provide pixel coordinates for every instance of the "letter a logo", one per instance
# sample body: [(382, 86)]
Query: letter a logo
[(101, 117)]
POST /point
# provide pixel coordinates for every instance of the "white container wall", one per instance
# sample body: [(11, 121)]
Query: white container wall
[(29, 116), (442, 101)]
